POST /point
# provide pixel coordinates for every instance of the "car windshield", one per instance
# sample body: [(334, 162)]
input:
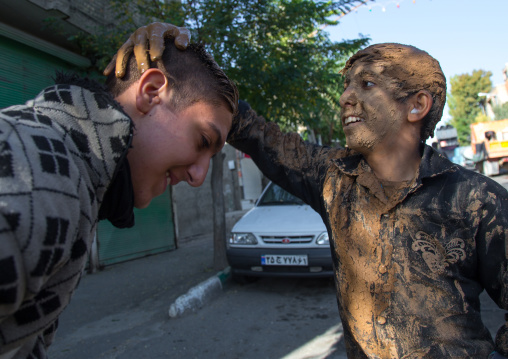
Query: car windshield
[(275, 195)]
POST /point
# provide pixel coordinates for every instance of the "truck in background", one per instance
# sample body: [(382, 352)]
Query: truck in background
[(489, 142)]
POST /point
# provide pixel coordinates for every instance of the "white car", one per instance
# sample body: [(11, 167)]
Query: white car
[(280, 236)]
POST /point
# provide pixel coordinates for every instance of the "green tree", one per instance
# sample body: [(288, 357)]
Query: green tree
[(481, 117), (500, 111), (464, 102)]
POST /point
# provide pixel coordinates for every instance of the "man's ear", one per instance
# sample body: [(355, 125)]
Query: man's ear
[(419, 106), (149, 89)]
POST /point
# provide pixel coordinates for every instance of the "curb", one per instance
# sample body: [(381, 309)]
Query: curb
[(199, 295)]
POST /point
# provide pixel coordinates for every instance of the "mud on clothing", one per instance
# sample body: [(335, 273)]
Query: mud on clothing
[(59, 153), (409, 269)]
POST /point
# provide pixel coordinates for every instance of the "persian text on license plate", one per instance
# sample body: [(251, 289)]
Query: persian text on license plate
[(284, 260)]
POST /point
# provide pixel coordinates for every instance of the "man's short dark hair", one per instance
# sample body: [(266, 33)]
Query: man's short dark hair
[(411, 70), (193, 74)]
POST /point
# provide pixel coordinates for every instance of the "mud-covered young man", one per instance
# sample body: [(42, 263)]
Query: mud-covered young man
[(415, 238), (78, 153)]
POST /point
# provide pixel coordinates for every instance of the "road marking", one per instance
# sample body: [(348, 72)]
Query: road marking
[(321, 347)]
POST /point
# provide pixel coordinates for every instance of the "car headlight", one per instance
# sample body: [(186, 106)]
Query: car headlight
[(323, 240), (242, 238)]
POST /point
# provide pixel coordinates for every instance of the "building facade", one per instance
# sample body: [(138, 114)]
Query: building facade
[(498, 96)]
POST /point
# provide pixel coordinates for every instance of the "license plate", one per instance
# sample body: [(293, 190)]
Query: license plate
[(284, 260)]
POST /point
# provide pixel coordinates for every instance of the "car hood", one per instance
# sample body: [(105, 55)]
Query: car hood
[(283, 219)]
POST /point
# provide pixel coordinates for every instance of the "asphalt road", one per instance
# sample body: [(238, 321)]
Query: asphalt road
[(122, 312), (271, 318), (502, 180)]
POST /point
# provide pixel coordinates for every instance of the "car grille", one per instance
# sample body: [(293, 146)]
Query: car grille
[(292, 239)]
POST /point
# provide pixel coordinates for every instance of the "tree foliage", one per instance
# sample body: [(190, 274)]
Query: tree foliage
[(500, 111), (283, 64), (464, 102)]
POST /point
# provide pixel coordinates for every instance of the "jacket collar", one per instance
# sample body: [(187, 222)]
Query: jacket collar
[(354, 164), (433, 164)]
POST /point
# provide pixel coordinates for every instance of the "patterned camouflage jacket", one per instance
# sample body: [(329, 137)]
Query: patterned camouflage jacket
[(409, 267), (58, 155)]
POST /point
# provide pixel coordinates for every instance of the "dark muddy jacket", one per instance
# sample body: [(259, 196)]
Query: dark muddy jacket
[(409, 269)]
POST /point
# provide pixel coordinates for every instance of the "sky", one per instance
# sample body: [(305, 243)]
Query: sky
[(463, 35)]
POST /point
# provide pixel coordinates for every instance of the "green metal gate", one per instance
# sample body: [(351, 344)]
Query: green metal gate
[(25, 71), (154, 232)]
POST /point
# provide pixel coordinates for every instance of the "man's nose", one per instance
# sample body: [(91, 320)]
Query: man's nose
[(197, 171), (348, 97)]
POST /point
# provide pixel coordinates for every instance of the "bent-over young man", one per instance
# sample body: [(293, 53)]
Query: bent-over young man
[(78, 153)]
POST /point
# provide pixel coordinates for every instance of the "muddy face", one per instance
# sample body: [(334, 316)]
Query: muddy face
[(370, 115), (407, 70)]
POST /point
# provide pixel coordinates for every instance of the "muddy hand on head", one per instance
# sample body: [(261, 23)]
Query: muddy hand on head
[(147, 41)]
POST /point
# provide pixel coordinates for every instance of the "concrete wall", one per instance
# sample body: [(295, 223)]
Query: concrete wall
[(55, 20), (86, 15)]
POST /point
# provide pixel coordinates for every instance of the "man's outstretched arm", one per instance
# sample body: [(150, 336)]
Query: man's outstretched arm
[(285, 158)]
